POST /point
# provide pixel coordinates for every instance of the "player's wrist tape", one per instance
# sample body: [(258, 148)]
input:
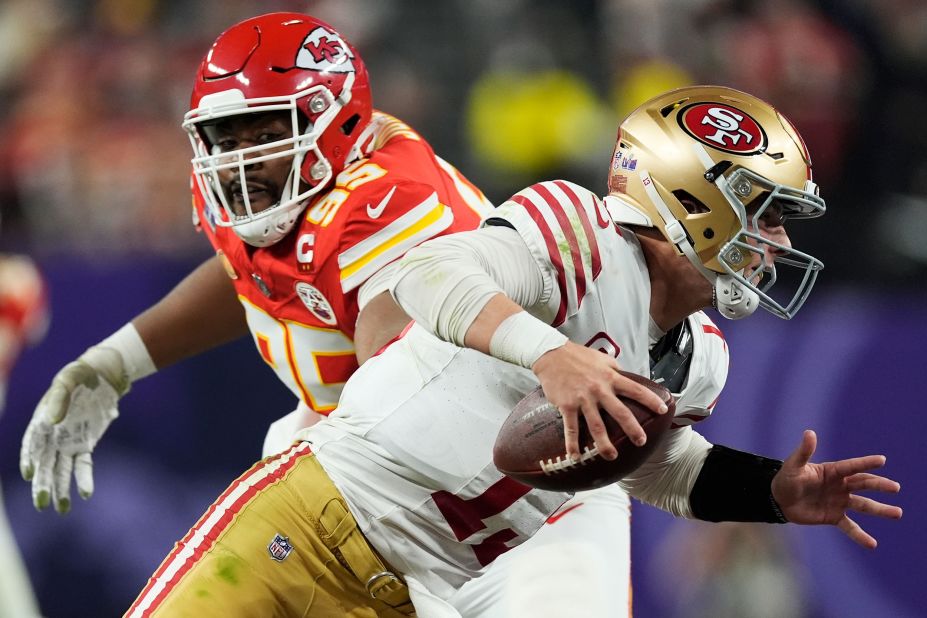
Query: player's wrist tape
[(522, 339), (137, 362), (736, 486)]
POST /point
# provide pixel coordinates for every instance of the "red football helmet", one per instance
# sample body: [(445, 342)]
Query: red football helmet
[(279, 62)]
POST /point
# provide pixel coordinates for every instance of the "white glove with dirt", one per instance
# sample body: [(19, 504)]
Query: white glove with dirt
[(75, 412)]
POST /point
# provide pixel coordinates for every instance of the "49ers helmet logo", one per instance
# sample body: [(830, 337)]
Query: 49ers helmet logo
[(323, 50), (723, 127)]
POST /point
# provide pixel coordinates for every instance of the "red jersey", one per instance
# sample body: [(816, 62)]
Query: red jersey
[(24, 313), (300, 294)]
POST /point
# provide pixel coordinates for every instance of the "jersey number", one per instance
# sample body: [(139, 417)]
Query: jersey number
[(465, 517), (353, 176), (313, 362)]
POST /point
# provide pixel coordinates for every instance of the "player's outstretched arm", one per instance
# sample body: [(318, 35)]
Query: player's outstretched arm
[(813, 494), (200, 313)]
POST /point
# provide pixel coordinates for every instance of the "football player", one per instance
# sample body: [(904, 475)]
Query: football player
[(396, 490), (308, 196), (24, 319), (579, 561)]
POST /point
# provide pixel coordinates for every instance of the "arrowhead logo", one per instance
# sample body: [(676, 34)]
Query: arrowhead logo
[(324, 50)]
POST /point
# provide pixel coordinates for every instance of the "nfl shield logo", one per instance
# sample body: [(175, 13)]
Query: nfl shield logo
[(279, 548)]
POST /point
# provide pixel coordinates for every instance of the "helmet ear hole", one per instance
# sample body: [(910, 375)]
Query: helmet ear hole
[(692, 204), (348, 126)]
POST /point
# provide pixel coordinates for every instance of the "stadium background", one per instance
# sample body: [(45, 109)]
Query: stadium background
[(93, 185)]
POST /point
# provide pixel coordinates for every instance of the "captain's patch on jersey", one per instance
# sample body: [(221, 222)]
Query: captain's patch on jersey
[(324, 50), (279, 548), (316, 303), (723, 127)]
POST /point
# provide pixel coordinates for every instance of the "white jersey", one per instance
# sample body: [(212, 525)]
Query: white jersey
[(410, 444), (707, 371), (586, 545)]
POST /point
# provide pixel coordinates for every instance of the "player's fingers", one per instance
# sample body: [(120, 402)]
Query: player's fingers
[(27, 451), (61, 490), (597, 430), (83, 474), (570, 432), (872, 482), (625, 418), (857, 534), (42, 479), (869, 506), (629, 388), (802, 455), (56, 401), (847, 467)]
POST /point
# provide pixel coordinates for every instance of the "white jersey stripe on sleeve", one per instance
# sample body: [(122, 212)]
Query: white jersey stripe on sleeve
[(426, 220), (588, 234), (556, 201), (570, 235), (550, 242)]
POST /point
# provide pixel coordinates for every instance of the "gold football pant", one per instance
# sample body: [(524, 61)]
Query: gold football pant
[(279, 542)]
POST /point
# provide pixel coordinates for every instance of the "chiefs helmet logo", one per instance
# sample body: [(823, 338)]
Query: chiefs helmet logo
[(723, 127), (324, 50)]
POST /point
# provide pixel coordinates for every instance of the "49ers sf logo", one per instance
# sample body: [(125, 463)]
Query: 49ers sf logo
[(723, 127)]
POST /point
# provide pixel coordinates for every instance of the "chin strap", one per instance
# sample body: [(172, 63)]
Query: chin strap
[(732, 299)]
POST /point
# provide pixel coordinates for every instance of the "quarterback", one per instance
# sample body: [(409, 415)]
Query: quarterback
[(308, 196), (556, 288)]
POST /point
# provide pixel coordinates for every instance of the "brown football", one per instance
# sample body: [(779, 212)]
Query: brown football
[(530, 448)]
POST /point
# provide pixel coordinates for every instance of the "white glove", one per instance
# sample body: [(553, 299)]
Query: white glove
[(73, 414)]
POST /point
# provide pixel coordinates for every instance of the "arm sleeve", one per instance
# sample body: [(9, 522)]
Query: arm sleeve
[(444, 283), (378, 282), (667, 478)]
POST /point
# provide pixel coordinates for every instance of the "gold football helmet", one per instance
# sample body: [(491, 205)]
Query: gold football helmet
[(704, 165)]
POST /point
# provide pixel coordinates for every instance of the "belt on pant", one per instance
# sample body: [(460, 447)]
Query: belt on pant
[(341, 535)]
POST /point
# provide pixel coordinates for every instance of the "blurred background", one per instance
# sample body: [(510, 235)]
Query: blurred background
[(94, 173)]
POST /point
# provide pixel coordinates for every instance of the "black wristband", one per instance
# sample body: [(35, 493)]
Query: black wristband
[(736, 486)]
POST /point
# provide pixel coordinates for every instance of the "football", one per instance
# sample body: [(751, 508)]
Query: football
[(530, 446)]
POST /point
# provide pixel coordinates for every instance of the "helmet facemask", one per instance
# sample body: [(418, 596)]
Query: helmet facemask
[(288, 63), (779, 204), (310, 170)]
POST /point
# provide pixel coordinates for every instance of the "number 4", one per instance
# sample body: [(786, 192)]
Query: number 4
[(465, 517)]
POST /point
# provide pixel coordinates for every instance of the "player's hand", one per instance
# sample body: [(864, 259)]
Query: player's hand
[(810, 493), (579, 380), (67, 424)]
